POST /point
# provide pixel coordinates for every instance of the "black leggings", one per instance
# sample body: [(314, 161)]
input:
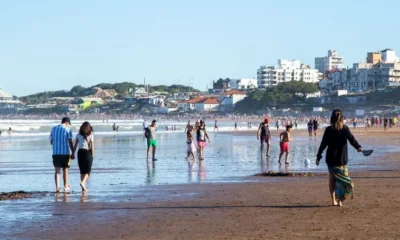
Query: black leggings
[(85, 161)]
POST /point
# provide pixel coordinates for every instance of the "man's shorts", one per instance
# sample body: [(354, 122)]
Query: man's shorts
[(61, 161), (152, 143), (284, 147)]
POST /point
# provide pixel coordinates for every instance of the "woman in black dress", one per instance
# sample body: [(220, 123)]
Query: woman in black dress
[(85, 145)]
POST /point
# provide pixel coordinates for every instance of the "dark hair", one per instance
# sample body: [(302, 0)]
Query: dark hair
[(337, 119), (86, 129), (288, 127), (66, 120)]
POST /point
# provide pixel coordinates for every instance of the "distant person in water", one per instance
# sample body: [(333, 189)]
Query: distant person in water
[(150, 135), (202, 138), (216, 126), (285, 138), (115, 128), (9, 131), (85, 145), (385, 124), (355, 122), (197, 124), (188, 127), (315, 127), (63, 151), (277, 124), (236, 126), (335, 138), (310, 128), (264, 135), (144, 124)]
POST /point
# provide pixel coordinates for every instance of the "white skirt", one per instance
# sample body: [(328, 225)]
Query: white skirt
[(191, 147)]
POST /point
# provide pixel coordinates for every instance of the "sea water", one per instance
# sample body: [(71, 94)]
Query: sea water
[(120, 158)]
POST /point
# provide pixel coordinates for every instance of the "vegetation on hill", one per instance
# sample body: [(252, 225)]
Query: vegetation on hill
[(283, 95), (121, 89)]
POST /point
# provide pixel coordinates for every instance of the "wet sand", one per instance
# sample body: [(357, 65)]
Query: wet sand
[(267, 208)]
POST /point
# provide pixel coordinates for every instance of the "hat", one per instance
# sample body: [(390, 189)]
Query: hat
[(66, 120), (266, 120)]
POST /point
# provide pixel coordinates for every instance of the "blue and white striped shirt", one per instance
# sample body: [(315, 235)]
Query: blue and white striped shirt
[(59, 136)]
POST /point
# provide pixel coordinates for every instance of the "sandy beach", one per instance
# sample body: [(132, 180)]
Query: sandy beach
[(256, 208)]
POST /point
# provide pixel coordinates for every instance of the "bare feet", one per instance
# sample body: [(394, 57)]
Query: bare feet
[(286, 162), (58, 190), (280, 163), (67, 188), (83, 187)]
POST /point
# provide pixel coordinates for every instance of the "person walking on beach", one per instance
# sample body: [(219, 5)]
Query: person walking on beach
[(354, 122), (188, 127), (191, 148), (310, 129), (264, 135), (367, 124), (144, 124), (315, 127), (85, 145), (285, 138), (394, 121), (385, 123), (216, 126), (202, 136), (335, 138), (150, 135), (277, 124), (63, 151), (9, 131)]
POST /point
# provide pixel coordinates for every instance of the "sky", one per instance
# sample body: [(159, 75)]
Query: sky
[(50, 45)]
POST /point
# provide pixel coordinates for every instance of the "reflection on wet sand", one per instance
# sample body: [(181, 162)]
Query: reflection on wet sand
[(151, 173), (62, 197), (202, 172), (84, 197)]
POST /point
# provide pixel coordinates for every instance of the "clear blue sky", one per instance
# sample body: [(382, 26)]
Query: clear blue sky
[(52, 45)]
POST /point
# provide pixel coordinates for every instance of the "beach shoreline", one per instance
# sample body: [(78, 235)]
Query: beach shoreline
[(252, 208), (297, 208)]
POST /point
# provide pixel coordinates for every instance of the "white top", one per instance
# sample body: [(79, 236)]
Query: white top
[(82, 143)]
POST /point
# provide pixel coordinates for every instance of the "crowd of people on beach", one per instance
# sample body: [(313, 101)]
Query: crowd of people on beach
[(335, 139)]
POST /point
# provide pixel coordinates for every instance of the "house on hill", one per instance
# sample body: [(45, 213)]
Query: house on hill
[(200, 104), (8, 103), (140, 92), (84, 103), (229, 99)]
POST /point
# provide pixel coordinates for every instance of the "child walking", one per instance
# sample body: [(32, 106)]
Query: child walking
[(191, 148), (284, 143)]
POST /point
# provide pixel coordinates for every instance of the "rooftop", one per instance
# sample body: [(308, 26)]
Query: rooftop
[(233, 92), (4, 94)]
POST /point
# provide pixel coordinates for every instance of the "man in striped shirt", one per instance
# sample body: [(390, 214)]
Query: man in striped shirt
[(61, 139)]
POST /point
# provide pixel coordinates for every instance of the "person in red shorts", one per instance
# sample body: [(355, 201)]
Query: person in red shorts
[(285, 138)]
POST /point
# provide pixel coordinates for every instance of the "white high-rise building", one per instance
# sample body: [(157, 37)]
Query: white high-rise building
[(329, 63), (389, 56), (244, 83), (287, 71)]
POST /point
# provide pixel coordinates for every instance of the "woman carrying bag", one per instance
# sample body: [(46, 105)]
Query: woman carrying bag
[(335, 138)]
